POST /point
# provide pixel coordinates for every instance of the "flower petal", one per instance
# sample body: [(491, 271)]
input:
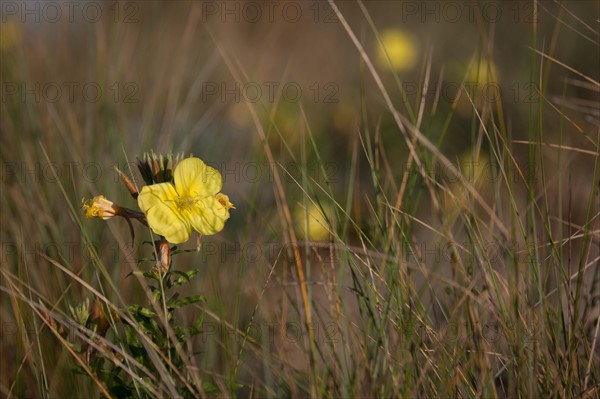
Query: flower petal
[(165, 221), (158, 202), (156, 194), (193, 178), (208, 217)]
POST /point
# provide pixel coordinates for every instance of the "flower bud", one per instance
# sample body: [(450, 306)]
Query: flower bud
[(158, 168), (130, 185), (163, 252)]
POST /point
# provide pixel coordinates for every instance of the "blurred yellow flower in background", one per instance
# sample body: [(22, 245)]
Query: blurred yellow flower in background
[(476, 170), (193, 202), (10, 35), (482, 72), (345, 117), (311, 222), (481, 85), (400, 47)]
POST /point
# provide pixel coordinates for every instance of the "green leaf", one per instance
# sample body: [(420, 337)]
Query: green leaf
[(151, 275), (175, 304), (197, 327), (184, 277), (132, 337), (209, 387), (175, 251), (139, 310)]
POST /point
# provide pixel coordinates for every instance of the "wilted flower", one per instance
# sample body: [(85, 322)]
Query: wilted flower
[(99, 318), (48, 318), (193, 202), (100, 207), (224, 200), (99, 321)]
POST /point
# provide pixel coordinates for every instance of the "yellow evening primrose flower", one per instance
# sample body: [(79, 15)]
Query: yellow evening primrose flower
[(192, 203)]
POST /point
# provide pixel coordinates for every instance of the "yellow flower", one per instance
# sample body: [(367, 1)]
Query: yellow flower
[(482, 72), (100, 207), (401, 49), (10, 35), (192, 203), (312, 222)]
